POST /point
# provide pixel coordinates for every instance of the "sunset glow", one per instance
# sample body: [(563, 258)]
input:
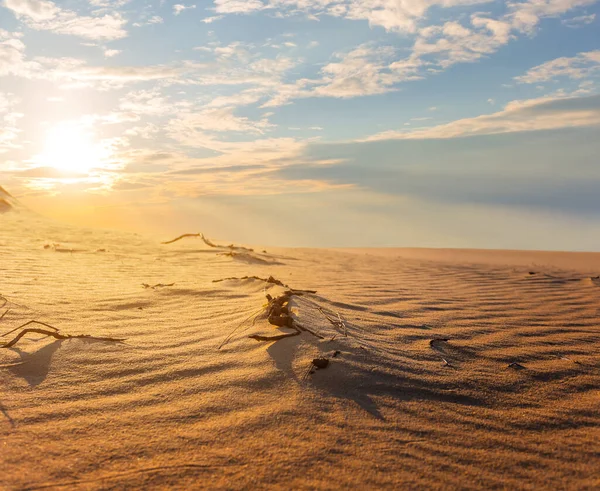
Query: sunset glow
[(70, 148), (467, 123)]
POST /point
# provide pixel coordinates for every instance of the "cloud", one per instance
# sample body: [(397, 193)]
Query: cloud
[(74, 73), (36, 10), (12, 54), (392, 15), (109, 53), (577, 67), (550, 170), (579, 21), (45, 15), (178, 8), (366, 70), (145, 132), (214, 18), (372, 70), (517, 116), (148, 102), (197, 128), (155, 19), (9, 130), (238, 6), (233, 64), (525, 16)]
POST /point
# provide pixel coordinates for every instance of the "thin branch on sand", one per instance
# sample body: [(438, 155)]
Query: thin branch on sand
[(277, 337), (254, 314), (270, 279), (339, 322), (158, 285), (3, 315), (27, 324), (181, 237), (55, 334), (208, 242)]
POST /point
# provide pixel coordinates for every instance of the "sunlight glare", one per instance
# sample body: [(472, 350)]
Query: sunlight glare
[(70, 148)]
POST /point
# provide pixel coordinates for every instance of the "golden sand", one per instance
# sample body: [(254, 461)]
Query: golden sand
[(511, 400)]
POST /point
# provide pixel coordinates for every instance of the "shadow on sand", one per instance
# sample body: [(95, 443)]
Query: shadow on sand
[(353, 376), (35, 366)]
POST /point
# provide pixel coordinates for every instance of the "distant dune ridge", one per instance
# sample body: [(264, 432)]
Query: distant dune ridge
[(5, 201), (397, 368)]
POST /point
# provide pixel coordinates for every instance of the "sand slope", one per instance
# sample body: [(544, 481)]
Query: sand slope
[(167, 408)]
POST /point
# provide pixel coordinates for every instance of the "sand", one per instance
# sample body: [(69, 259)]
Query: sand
[(168, 409)]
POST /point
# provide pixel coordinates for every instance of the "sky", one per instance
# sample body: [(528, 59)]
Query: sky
[(317, 123)]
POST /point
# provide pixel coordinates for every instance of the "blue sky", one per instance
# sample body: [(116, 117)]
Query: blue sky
[(439, 123)]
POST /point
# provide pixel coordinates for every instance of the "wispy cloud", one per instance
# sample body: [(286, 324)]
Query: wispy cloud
[(580, 66), (179, 7), (46, 15), (9, 130), (579, 21), (517, 116)]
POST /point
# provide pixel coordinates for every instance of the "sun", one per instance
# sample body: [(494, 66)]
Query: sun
[(70, 148)]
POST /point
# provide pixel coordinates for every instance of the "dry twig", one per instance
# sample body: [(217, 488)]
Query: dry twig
[(339, 322), (181, 237), (158, 285), (55, 334), (270, 279), (254, 314), (208, 242), (277, 337)]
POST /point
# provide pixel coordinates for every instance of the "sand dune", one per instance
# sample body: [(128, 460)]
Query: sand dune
[(463, 369), (6, 201)]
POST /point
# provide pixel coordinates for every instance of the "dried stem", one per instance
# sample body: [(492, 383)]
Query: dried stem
[(226, 340), (181, 237), (158, 285), (208, 242), (270, 279), (27, 324), (339, 322), (276, 337), (55, 334)]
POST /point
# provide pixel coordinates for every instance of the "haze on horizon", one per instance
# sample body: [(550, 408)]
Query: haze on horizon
[(454, 123)]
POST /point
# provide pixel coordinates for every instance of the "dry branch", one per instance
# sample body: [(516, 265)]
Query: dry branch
[(181, 237), (208, 242), (55, 334), (270, 279), (276, 337), (3, 315), (158, 285), (339, 322), (27, 324), (226, 340)]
